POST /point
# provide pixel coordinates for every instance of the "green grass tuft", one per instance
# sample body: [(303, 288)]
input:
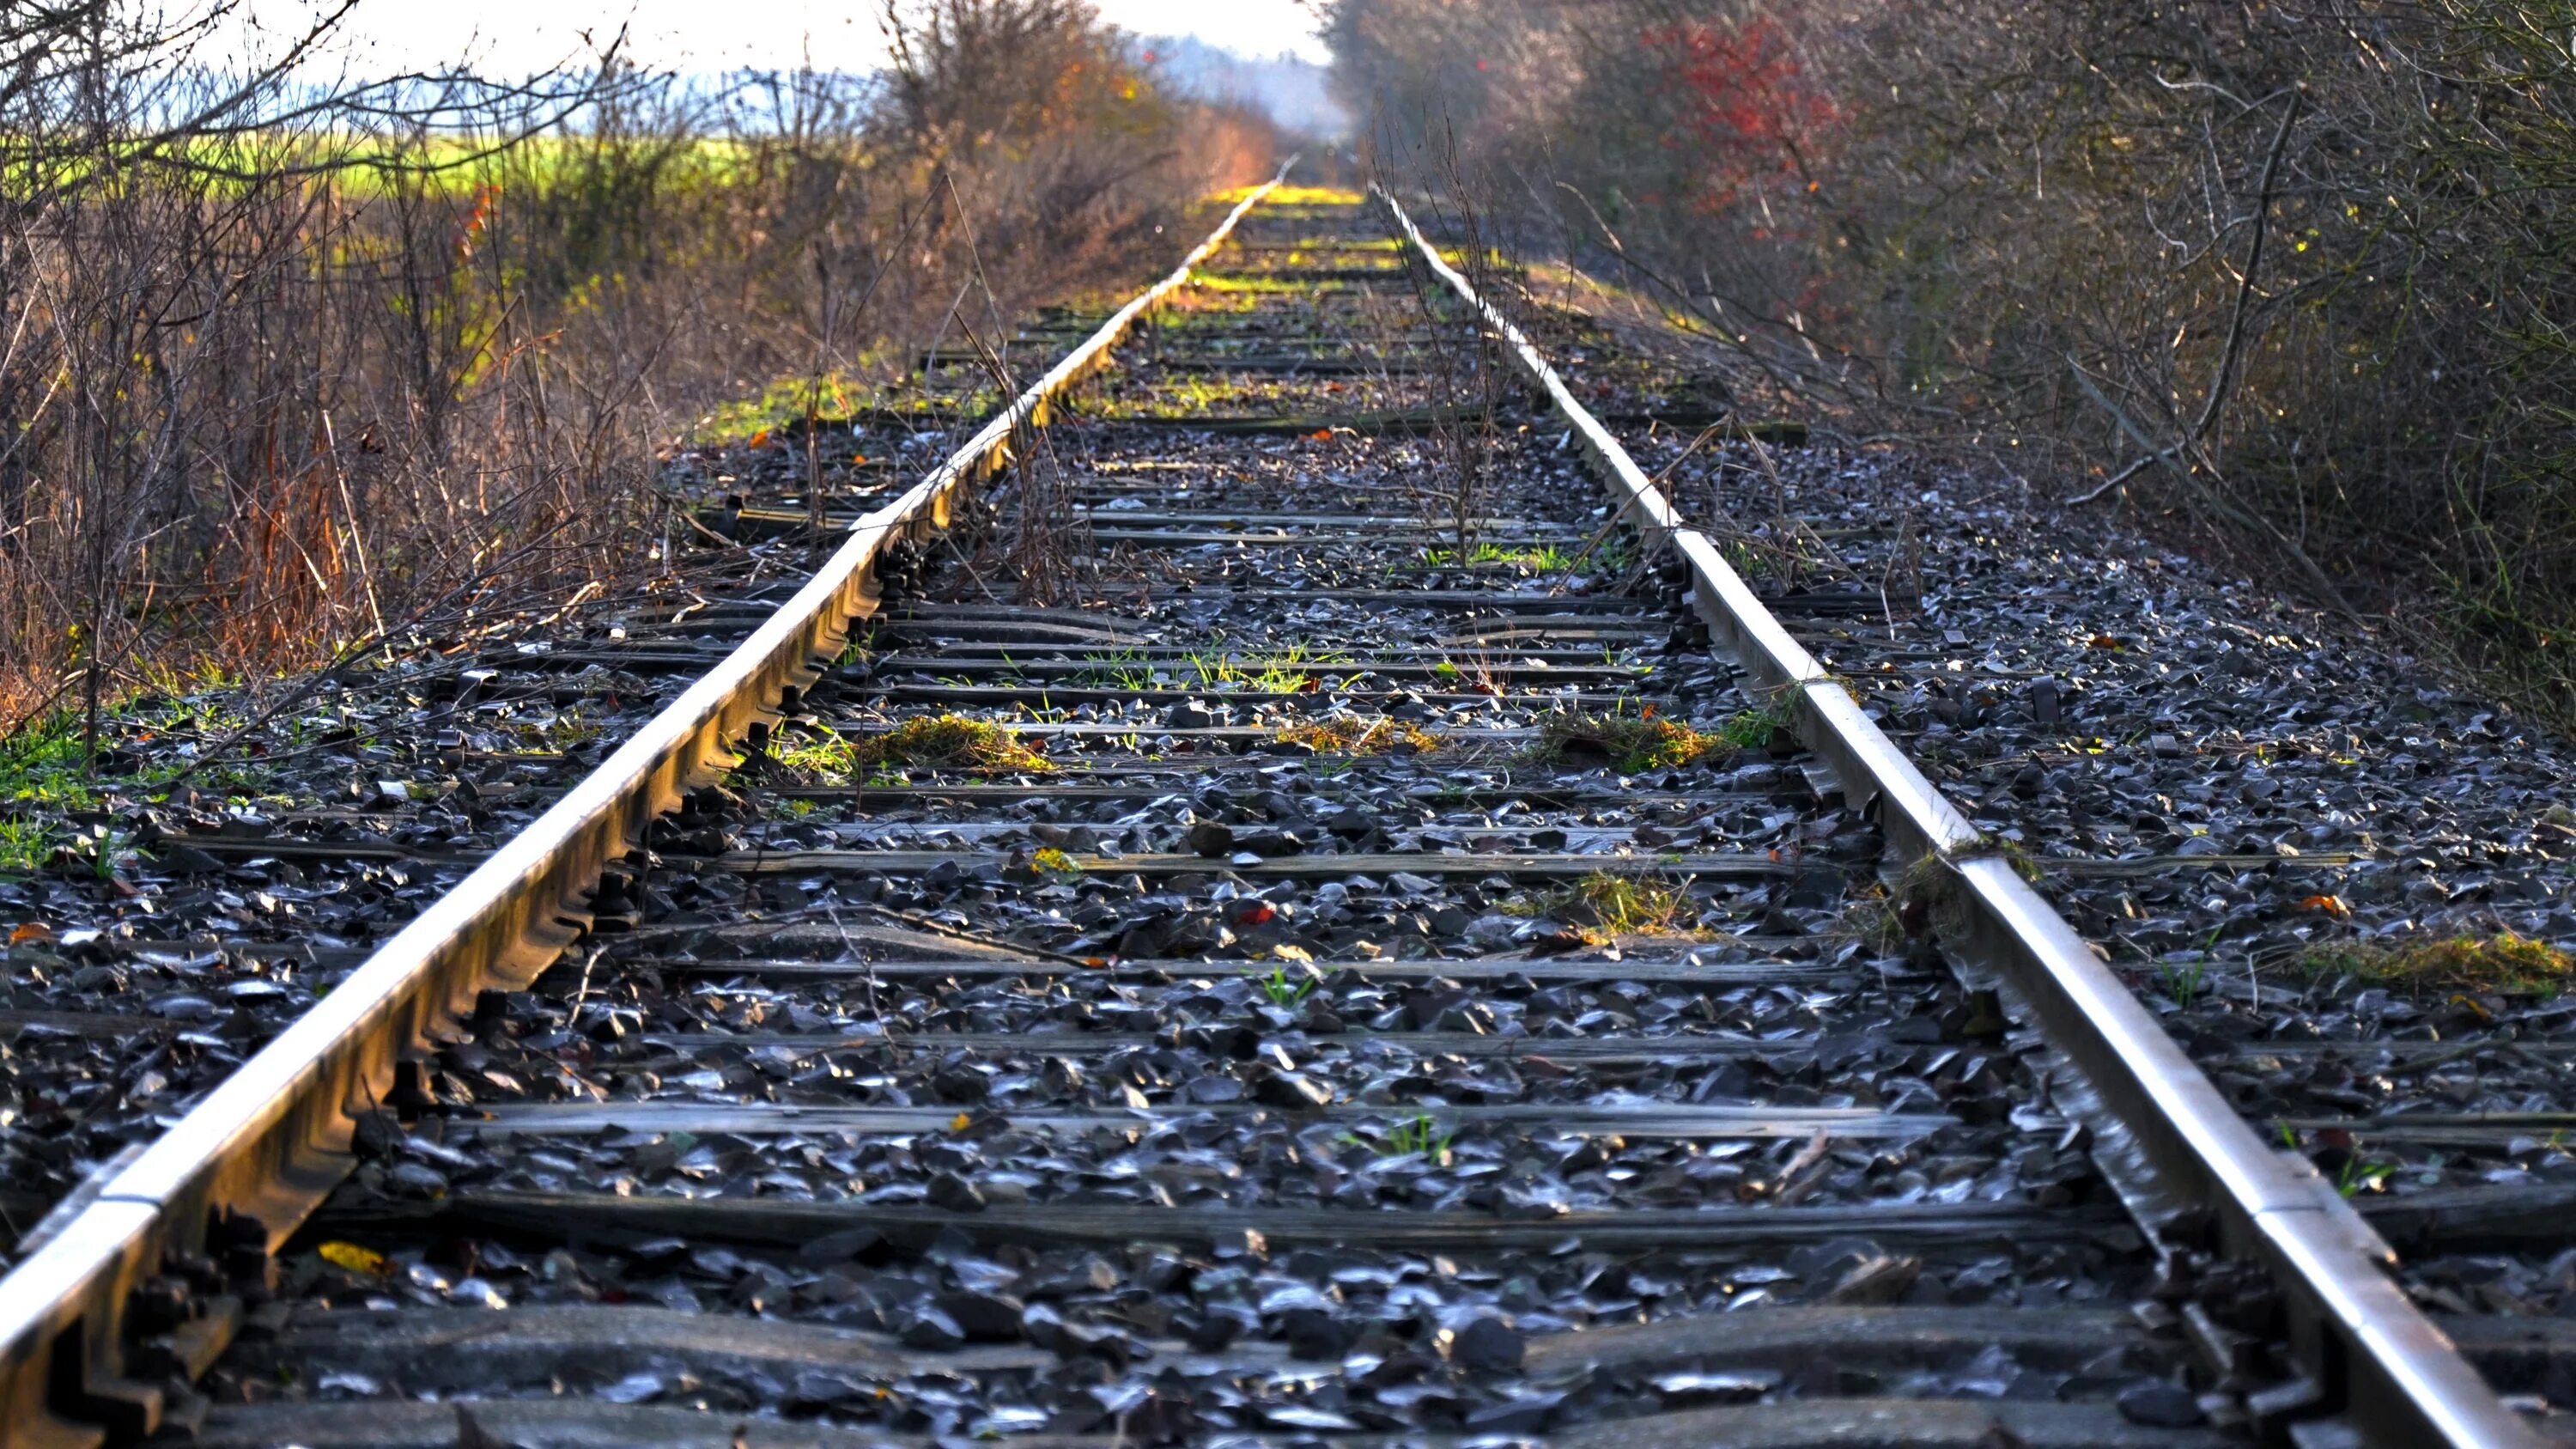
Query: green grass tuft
[(1631, 743), (944, 742), (1622, 905)]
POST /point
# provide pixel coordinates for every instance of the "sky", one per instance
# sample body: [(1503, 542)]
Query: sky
[(519, 36)]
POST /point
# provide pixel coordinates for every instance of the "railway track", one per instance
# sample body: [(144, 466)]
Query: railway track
[(1407, 948)]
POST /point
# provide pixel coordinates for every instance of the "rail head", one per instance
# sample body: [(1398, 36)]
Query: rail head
[(210, 1198), (2395, 1377)]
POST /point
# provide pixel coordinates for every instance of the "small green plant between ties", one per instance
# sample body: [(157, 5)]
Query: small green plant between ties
[(2360, 1171), (1283, 991), (1419, 1136), (2361, 1174), (2182, 979)]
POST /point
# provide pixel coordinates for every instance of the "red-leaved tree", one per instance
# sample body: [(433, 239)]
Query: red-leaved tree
[(1751, 120)]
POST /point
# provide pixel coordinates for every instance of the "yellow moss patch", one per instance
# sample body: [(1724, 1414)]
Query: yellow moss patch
[(2507, 963), (1350, 735), (1609, 905), (1293, 196), (1626, 742), (834, 398), (950, 742), (946, 742)]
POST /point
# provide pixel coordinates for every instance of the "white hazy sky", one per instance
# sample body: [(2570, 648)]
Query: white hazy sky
[(524, 35)]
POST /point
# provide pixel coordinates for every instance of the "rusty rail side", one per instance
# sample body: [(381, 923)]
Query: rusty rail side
[(2396, 1379), (203, 1205)]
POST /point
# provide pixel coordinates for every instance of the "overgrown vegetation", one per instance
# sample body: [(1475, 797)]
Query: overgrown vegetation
[(831, 398), (46, 770), (292, 373), (1539, 558), (1632, 744), (2500, 963), (48, 773), (1287, 197), (45, 767), (1611, 905), (1344, 734), (1294, 670), (25, 845), (2292, 277), (936, 742)]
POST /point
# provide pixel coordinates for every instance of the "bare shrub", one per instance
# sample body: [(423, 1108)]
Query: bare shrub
[(293, 373), (1464, 363)]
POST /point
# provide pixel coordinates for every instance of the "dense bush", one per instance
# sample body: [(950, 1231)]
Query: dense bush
[(2297, 273), (287, 372)]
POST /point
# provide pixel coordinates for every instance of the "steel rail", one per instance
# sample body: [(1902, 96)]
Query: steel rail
[(2397, 1379), (201, 1208)]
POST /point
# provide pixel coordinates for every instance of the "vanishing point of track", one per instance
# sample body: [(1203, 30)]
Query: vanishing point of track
[(1194, 1052)]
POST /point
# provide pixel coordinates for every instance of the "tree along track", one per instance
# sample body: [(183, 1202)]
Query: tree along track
[(781, 1149)]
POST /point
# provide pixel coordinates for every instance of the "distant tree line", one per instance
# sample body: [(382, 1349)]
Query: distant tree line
[(2297, 275)]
